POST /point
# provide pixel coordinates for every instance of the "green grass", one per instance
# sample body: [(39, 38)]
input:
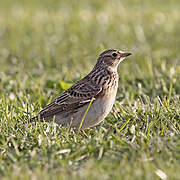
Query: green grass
[(45, 46)]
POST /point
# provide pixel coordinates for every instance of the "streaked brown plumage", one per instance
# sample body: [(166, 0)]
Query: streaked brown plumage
[(101, 84)]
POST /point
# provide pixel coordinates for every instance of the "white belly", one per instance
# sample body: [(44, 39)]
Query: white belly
[(98, 111)]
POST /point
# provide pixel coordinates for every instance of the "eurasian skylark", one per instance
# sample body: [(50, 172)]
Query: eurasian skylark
[(99, 88)]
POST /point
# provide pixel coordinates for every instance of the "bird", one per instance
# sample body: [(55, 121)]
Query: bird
[(87, 103)]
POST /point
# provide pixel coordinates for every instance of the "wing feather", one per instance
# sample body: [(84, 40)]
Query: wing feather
[(75, 97)]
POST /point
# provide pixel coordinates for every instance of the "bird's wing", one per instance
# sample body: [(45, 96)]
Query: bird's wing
[(78, 95)]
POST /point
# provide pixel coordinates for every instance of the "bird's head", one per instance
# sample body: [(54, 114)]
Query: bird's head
[(111, 58)]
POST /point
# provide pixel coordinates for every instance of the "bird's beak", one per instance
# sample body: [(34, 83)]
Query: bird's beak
[(125, 54)]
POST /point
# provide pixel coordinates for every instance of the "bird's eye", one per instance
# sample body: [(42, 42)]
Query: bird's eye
[(114, 55)]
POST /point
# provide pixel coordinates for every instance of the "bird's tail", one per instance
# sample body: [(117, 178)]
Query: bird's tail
[(33, 119)]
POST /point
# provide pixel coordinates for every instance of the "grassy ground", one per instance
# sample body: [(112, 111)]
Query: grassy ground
[(45, 46)]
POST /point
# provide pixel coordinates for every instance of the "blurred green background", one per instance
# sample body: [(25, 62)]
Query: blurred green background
[(60, 40), (45, 46)]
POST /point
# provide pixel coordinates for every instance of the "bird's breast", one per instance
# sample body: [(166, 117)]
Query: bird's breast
[(100, 109)]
